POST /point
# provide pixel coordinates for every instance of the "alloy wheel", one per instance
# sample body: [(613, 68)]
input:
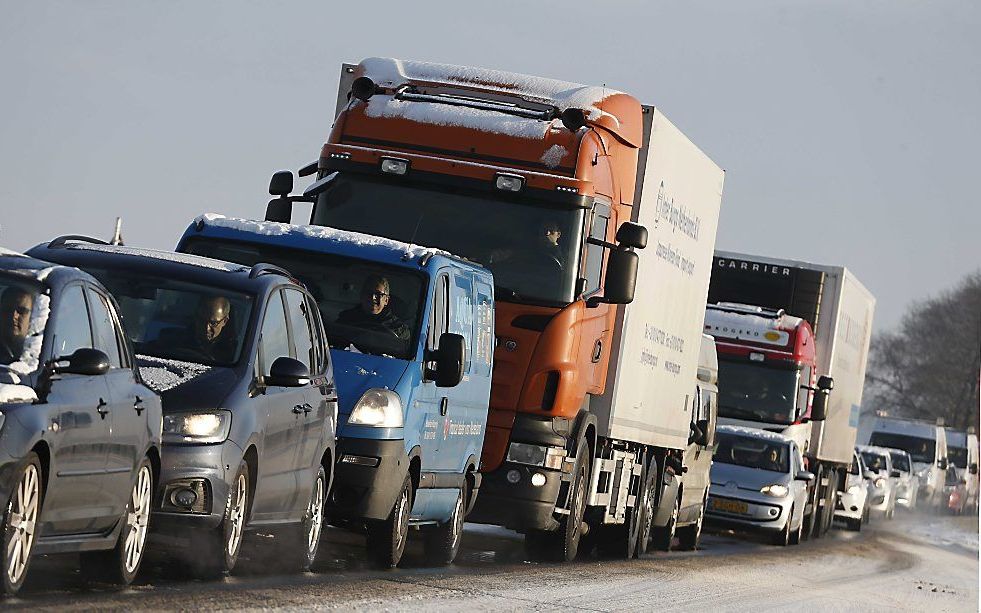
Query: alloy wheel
[(137, 519), (237, 515), (316, 513), (22, 523)]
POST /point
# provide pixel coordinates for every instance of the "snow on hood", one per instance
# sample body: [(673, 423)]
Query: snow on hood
[(161, 375), (31, 353), (168, 256), (272, 228), (10, 393)]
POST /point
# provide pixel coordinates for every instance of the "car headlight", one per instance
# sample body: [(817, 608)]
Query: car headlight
[(855, 489), (775, 489), (536, 455), (203, 427), (880, 482), (379, 408)]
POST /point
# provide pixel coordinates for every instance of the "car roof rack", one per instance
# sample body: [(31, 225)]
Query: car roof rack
[(61, 241), (263, 268)]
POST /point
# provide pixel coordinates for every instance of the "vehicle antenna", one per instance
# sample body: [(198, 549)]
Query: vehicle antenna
[(117, 236)]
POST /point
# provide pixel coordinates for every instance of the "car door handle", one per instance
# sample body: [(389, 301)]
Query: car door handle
[(101, 408), (138, 405)]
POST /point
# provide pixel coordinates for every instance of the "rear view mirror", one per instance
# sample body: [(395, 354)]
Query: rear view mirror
[(84, 361), (819, 406), (621, 278), (826, 383), (450, 359), (631, 234), (974, 468), (804, 475), (287, 372)]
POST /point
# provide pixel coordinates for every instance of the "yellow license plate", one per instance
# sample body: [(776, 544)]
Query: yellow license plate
[(730, 506)]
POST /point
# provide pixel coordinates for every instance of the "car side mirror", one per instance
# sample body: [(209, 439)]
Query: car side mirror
[(287, 372), (819, 406), (895, 474), (702, 438), (974, 468), (85, 361), (804, 475), (869, 474), (450, 358)]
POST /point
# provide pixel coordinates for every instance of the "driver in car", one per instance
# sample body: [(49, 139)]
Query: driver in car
[(211, 336), (771, 460), (15, 318), (373, 311)]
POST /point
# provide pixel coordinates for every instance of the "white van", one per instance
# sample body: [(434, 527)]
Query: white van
[(962, 449), (926, 443)]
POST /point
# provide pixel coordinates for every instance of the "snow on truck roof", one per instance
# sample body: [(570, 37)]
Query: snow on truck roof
[(400, 249)]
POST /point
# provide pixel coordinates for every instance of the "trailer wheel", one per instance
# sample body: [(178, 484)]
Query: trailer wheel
[(566, 545), (622, 541)]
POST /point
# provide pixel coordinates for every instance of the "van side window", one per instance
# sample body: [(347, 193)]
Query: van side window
[(275, 342), (440, 317), (463, 319), (483, 342), (595, 253)]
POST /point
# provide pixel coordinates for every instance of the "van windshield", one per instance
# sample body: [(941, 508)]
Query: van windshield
[(958, 456), (899, 461), (366, 306), (531, 249), (920, 449), (758, 393)]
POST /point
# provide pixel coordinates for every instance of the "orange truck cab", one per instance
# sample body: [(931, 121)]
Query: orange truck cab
[(554, 187)]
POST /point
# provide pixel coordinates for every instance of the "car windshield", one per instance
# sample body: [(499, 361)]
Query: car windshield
[(177, 320), (951, 478), (759, 393), (899, 461), (958, 456), (366, 306), (752, 452), (920, 449), (23, 314), (531, 249), (874, 461)]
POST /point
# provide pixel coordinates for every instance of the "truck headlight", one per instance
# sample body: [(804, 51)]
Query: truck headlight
[(536, 455), (379, 408), (774, 489), (203, 427)]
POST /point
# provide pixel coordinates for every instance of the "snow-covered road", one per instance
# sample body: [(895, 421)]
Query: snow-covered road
[(916, 563)]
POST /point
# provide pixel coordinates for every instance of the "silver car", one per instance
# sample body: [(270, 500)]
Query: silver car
[(758, 484), (853, 504), (885, 482), (908, 483)]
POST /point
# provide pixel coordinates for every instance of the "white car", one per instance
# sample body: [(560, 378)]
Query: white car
[(908, 485), (853, 504), (885, 481)]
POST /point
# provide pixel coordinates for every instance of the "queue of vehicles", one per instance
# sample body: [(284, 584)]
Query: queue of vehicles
[(542, 364)]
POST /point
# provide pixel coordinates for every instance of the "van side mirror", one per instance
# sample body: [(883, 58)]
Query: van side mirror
[(819, 406), (702, 438), (85, 361), (631, 234), (826, 383), (287, 372), (973, 468), (942, 463), (869, 474), (804, 475), (450, 359)]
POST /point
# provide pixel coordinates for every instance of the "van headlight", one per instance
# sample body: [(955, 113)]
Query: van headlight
[(199, 427), (775, 489), (379, 408)]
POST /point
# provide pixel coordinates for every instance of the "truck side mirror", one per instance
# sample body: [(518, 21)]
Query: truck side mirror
[(942, 463), (869, 474), (631, 234), (973, 468), (621, 276), (280, 209), (826, 383), (819, 406), (281, 183), (804, 475), (450, 359), (85, 361)]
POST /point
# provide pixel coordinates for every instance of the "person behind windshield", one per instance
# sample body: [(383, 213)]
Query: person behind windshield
[(771, 460), (212, 335), (15, 317), (549, 242), (373, 311)]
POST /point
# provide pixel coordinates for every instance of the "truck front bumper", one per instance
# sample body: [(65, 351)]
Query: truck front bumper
[(369, 476), (509, 498)]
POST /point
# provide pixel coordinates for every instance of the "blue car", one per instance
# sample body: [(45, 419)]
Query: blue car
[(411, 336)]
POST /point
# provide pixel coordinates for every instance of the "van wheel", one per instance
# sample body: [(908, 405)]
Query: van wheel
[(386, 538), (223, 544), (689, 536), (305, 539), (122, 563), (662, 537), (20, 525), (566, 545), (443, 542)]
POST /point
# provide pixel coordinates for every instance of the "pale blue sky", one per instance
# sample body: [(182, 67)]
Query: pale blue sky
[(849, 130)]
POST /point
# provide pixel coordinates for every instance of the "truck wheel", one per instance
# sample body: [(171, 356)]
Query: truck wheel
[(621, 541), (689, 536), (221, 546), (304, 540), (121, 563), (386, 538), (20, 525), (662, 537), (569, 533), (443, 542), (649, 493)]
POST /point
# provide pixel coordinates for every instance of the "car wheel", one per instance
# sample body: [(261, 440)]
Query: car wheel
[(443, 542), (223, 544), (20, 525), (122, 563), (386, 538), (796, 535), (306, 537), (782, 538)]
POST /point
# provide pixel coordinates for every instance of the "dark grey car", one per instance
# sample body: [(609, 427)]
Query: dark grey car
[(79, 432), (250, 407)]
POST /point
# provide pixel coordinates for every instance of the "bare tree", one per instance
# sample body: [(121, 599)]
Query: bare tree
[(930, 366)]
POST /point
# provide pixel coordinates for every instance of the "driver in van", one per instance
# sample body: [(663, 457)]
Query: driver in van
[(373, 311)]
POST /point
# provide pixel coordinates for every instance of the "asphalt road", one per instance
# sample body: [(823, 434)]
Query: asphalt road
[(910, 563)]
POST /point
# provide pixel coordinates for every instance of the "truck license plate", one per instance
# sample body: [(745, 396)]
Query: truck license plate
[(730, 506)]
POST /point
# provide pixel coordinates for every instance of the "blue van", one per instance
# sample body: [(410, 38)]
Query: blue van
[(411, 331)]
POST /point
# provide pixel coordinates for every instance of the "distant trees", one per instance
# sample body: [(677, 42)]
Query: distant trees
[(929, 367)]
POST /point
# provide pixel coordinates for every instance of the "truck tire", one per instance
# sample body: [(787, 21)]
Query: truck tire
[(566, 546), (688, 536), (221, 545), (443, 542), (386, 538), (622, 541)]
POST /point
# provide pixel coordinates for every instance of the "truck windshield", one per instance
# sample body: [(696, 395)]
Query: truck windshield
[(920, 449), (177, 320), (958, 456), (752, 452), (756, 392), (366, 306), (899, 461), (533, 250)]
